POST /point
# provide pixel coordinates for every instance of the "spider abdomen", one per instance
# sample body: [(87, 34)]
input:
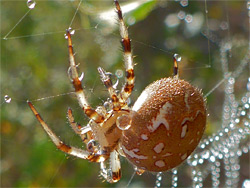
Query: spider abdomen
[(168, 122)]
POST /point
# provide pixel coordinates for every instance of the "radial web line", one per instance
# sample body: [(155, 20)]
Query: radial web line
[(5, 37)]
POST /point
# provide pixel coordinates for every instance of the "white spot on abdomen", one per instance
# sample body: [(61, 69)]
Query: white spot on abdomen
[(132, 154), (144, 137), (183, 131), (159, 147), (160, 163), (167, 154), (160, 118), (135, 150)]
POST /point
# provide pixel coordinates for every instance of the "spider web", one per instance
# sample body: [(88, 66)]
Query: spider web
[(214, 46)]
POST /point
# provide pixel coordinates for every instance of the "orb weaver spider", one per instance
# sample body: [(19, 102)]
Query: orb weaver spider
[(158, 133)]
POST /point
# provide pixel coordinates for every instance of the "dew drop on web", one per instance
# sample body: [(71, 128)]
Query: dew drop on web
[(248, 5), (181, 15), (7, 99), (31, 4), (119, 73), (177, 57), (158, 180), (72, 32), (81, 76), (189, 18), (184, 3)]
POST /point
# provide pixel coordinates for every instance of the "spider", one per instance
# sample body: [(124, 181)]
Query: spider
[(158, 133)]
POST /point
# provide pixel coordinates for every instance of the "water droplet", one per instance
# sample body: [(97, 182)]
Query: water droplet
[(139, 171), (226, 130), (158, 179), (248, 86), (243, 113), (224, 25), (194, 163), (205, 155), (237, 120), (212, 159), (195, 178), (202, 146), (31, 4), (128, 101), (108, 105), (181, 15), (177, 57), (72, 32), (131, 20), (189, 18), (119, 73), (248, 5), (239, 153), (123, 122), (81, 76), (246, 106), (7, 99), (201, 161), (231, 80), (184, 3), (101, 110)]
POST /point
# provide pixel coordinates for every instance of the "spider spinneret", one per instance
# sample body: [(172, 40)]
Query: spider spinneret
[(158, 133)]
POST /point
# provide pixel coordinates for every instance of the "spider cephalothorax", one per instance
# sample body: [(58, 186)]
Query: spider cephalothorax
[(158, 133)]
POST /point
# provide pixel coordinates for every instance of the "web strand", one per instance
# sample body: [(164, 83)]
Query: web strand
[(19, 21)]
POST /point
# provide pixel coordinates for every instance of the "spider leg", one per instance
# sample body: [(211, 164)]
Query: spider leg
[(128, 57), (176, 73), (113, 174), (99, 156), (76, 82), (109, 85), (83, 132)]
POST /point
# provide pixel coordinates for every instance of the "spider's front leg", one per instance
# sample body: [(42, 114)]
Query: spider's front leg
[(76, 82), (98, 156), (128, 57)]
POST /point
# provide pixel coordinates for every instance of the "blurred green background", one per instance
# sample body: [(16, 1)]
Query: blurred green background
[(34, 63)]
